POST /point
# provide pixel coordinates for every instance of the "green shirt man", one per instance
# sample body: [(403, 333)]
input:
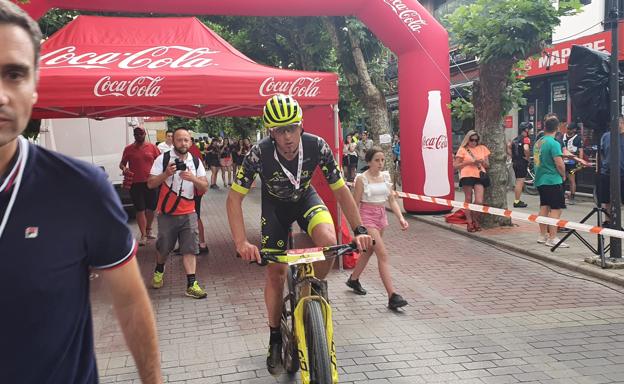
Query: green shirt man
[(544, 153)]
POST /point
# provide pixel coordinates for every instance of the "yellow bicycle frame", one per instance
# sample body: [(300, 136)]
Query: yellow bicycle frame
[(303, 271)]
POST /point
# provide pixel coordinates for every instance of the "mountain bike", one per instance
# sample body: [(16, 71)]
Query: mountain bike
[(306, 323), (529, 181)]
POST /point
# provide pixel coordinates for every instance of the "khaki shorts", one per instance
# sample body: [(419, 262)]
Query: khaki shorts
[(181, 228)]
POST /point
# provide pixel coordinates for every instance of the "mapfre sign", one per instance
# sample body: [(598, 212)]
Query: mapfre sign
[(555, 59)]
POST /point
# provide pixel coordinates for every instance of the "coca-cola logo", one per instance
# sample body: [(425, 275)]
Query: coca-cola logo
[(407, 15), (142, 86), (439, 142), (300, 87), (175, 56)]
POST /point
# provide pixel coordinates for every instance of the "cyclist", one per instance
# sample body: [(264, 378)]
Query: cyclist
[(285, 162)]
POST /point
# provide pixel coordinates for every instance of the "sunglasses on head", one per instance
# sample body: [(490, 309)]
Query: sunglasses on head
[(291, 128)]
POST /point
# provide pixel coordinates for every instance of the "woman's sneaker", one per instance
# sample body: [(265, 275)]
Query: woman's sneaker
[(356, 286), (552, 242), (396, 301), (541, 239)]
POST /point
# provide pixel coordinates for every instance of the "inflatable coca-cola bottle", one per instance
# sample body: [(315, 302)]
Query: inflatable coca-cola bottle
[(435, 149)]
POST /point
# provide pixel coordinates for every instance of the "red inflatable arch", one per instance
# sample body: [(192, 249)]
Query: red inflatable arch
[(404, 26)]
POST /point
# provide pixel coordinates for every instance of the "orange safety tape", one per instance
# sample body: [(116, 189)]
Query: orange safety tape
[(531, 218)]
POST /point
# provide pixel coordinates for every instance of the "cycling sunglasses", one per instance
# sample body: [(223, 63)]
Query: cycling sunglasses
[(291, 128)]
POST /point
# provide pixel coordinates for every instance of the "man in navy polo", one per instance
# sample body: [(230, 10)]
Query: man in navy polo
[(59, 219)]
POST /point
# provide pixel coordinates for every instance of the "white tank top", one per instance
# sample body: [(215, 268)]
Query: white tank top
[(376, 192)]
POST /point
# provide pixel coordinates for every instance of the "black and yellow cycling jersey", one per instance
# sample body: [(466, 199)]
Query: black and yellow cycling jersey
[(275, 183), (282, 203)]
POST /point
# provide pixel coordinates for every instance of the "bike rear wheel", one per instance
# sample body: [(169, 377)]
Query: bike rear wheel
[(316, 339)]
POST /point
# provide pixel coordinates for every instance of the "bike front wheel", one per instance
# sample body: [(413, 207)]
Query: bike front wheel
[(316, 340)]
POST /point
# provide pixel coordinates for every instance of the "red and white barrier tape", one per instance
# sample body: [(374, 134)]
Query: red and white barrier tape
[(531, 218)]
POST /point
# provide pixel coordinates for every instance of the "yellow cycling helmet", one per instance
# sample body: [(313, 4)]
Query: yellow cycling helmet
[(281, 110)]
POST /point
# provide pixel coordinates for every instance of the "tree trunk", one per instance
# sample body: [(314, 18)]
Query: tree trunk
[(487, 100), (356, 72)]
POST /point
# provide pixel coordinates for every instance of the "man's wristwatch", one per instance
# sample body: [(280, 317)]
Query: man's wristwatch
[(360, 230)]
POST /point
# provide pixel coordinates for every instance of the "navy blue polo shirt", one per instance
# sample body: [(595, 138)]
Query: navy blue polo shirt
[(64, 218)]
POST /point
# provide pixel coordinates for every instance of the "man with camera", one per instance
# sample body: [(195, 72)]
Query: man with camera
[(179, 174)]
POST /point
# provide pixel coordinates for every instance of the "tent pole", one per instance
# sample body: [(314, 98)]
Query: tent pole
[(338, 210)]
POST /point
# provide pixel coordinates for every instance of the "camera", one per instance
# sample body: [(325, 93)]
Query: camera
[(180, 165)]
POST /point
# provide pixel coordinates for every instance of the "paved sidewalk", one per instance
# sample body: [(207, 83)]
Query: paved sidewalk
[(522, 237), (476, 315)]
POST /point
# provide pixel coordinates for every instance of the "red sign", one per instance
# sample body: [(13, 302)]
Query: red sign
[(508, 122), (555, 59)]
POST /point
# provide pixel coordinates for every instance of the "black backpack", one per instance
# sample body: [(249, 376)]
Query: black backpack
[(166, 158), (517, 149)]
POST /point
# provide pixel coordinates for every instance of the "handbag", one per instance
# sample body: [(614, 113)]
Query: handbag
[(483, 176)]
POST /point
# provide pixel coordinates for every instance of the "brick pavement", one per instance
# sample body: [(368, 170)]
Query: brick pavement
[(476, 315)]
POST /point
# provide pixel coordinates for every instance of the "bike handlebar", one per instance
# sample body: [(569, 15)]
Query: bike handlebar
[(330, 252)]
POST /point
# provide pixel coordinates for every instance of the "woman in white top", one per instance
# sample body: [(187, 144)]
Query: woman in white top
[(373, 189)]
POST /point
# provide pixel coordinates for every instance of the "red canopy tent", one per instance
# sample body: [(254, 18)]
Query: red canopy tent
[(116, 66), (101, 67)]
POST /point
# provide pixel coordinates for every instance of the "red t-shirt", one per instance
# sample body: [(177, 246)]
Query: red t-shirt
[(140, 160)]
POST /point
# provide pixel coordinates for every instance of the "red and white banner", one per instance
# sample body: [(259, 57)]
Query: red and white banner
[(555, 58), (117, 66)]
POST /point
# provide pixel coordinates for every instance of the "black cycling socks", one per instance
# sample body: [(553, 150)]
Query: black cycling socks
[(190, 280), (160, 268), (276, 336)]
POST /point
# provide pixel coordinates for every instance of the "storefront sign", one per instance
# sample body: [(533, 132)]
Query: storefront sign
[(555, 59)]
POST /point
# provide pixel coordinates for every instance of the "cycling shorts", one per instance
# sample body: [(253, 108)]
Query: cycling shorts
[(278, 217)]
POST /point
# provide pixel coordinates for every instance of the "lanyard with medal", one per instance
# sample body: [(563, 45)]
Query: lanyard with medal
[(296, 182)]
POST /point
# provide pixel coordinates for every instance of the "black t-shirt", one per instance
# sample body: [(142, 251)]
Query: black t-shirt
[(275, 183)]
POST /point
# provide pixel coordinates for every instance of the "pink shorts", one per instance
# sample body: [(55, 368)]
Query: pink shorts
[(373, 215)]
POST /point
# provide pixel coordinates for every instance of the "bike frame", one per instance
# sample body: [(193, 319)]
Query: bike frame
[(301, 279)]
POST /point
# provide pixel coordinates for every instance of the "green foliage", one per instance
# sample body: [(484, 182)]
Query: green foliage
[(54, 20), (512, 29), (461, 109), (516, 89), (235, 127)]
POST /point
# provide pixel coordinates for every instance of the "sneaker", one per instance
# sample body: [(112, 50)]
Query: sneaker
[(552, 242), (571, 201), (143, 241), (520, 204), (274, 359), (356, 286), (196, 292), (541, 239), (214, 186), (150, 234), (157, 280), (396, 301)]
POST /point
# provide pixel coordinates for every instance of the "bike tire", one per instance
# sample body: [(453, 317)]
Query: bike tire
[(318, 351)]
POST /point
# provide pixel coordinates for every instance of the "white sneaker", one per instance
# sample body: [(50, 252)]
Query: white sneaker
[(143, 241), (541, 239), (552, 242)]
